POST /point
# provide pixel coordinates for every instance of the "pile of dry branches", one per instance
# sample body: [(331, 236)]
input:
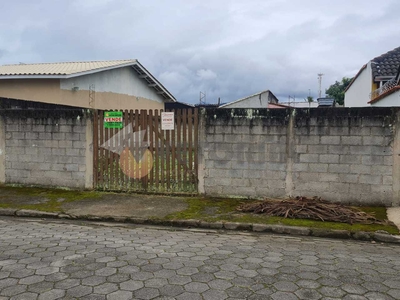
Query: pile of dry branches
[(309, 208)]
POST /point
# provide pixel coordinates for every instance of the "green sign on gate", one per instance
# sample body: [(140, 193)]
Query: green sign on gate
[(113, 119)]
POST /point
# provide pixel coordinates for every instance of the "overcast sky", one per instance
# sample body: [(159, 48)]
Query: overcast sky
[(224, 48)]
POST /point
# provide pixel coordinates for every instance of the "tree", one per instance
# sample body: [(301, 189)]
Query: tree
[(337, 89), (309, 99)]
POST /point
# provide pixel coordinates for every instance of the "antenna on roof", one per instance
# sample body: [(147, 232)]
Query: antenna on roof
[(203, 98), (320, 84)]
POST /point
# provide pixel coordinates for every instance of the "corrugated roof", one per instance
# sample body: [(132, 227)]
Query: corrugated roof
[(60, 68), (326, 101), (387, 64)]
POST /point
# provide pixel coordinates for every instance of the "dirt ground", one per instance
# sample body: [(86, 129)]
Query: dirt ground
[(127, 206)]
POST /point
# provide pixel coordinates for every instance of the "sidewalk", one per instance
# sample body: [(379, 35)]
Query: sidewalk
[(176, 211)]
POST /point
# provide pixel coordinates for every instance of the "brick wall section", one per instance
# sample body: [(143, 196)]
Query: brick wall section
[(45, 150), (343, 155)]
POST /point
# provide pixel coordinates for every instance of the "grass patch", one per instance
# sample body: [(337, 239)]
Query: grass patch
[(43, 199), (213, 210)]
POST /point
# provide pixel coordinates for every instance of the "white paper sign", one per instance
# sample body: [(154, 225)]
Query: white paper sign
[(167, 121)]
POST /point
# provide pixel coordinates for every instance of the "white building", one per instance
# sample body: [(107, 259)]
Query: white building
[(377, 82), (259, 100)]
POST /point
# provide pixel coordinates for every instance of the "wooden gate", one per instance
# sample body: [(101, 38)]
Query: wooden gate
[(142, 157)]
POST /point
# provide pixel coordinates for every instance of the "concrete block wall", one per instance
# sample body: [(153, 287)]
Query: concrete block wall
[(343, 155), (46, 149)]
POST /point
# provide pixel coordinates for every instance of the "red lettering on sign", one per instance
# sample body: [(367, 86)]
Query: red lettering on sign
[(110, 119)]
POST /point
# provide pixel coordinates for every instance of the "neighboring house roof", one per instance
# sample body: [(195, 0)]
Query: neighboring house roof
[(386, 64), (299, 104), (276, 105), (326, 102), (266, 91), (65, 70)]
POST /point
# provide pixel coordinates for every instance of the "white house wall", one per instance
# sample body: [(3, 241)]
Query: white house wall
[(389, 101), (359, 92), (258, 101), (121, 81)]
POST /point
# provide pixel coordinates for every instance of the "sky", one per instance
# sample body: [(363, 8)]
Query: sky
[(226, 49)]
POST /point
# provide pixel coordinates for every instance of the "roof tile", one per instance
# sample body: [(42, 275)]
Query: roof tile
[(387, 64)]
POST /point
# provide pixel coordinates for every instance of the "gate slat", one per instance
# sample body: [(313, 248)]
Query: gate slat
[(184, 150), (143, 118), (156, 167), (131, 147), (136, 154), (168, 159), (162, 155), (95, 148), (151, 147), (196, 146), (102, 158), (124, 178), (178, 148), (190, 147), (173, 152)]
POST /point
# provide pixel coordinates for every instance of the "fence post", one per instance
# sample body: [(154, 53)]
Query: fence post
[(89, 149), (2, 150), (201, 143), (396, 162), (290, 147)]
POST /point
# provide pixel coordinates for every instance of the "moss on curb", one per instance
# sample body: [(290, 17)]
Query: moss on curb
[(205, 209), (224, 210), (54, 197)]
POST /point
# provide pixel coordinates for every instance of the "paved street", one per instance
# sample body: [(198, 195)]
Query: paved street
[(72, 260)]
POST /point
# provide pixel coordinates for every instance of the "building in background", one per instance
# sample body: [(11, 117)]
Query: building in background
[(377, 82), (259, 100), (118, 84), (302, 104)]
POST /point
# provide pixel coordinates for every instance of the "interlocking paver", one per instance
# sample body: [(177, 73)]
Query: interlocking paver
[(120, 295), (105, 288), (25, 296), (13, 290), (68, 260), (52, 295), (40, 287), (79, 291), (196, 287), (146, 293), (132, 285), (220, 284)]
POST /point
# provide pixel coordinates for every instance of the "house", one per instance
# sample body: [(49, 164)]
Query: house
[(377, 82), (259, 100), (301, 104), (326, 102), (117, 84)]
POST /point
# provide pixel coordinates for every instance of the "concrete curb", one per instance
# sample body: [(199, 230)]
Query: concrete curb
[(378, 236)]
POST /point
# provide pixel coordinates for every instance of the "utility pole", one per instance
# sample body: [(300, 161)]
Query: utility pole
[(294, 100), (320, 84)]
